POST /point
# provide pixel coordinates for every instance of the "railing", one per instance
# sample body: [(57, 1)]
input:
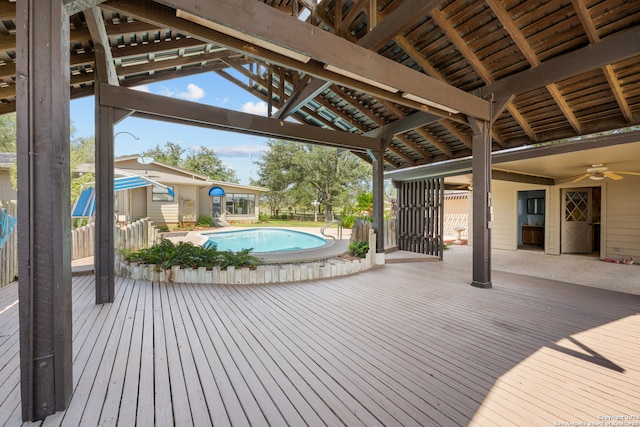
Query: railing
[(329, 224), (9, 252)]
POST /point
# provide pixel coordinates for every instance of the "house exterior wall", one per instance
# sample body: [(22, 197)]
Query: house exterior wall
[(138, 202), (622, 221)]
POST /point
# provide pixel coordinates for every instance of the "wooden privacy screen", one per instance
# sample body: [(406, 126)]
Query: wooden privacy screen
[(421, 216)]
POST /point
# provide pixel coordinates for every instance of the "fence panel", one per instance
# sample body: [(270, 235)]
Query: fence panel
[(9, 252)]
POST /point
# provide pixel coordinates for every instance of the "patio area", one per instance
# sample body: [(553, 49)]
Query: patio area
[(409, 344)]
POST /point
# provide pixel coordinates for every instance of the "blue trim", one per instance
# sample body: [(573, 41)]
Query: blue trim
[(216, 191)]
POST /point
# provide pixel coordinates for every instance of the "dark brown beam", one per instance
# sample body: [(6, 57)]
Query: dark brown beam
[(615, 48), (310, 88), (195, 114), (403, 125), (326, 48), (165, 17), (407, 14)]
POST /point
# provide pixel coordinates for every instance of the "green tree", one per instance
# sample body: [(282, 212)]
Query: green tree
[(82, 151), (170, 154), (305, 172), (205, 162), (202, 161), (276, 171), (8, 133)]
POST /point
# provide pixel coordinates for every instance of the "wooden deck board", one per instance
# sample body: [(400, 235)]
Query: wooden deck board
[(406, 344)]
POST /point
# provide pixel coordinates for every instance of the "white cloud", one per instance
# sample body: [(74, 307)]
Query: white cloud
[(258, 108), (240, 151), (193, 93)]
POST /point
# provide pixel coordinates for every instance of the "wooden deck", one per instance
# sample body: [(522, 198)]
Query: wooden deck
[(400, 345)]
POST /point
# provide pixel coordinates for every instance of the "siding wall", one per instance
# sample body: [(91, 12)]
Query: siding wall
[(138, 202), (622, 210)]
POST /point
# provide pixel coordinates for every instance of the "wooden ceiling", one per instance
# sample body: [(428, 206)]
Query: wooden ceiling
[(549, 69)]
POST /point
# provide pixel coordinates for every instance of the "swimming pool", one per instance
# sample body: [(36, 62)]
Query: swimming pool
[(263, 240)]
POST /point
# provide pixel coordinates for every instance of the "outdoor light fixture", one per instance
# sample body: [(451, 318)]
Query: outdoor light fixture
[(242, 36), (359, 78), (425, 101)]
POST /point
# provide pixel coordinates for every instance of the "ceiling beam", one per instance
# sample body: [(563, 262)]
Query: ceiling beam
[(101, 45), (407, 14), (309, 89), (191, 113), (162, 16), (403, 125), (75, 6), (463, 166), (615, 48), (261, 22)]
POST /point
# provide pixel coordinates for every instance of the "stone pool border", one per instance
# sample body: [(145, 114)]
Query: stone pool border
[(267, 273)]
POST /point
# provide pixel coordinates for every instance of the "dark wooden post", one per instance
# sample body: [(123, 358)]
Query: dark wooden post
[(378, 199), (105, 74), (44, 212), (481, 169), (104, 244)]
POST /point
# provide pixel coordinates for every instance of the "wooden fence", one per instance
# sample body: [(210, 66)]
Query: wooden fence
[(130, 237), (134, 236), (361, 229), (9, 252)]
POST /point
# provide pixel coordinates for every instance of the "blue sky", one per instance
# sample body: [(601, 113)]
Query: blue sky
[(235, 150)]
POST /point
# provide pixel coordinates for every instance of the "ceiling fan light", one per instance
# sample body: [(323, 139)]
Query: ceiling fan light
[(597, 176)]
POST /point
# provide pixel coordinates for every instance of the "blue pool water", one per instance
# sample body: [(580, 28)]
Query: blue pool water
[(263, 240)]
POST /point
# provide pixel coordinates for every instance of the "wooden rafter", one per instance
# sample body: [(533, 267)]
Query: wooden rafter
[(433, 141), (415, 147), (608, 71), (523, 45), (477, 65)]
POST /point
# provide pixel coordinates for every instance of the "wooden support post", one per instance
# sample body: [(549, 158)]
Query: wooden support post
[(481, 169), (44, 211), (378, 199), (105, 74), (104, 258)]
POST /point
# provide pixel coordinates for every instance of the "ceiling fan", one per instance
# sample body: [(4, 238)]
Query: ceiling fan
[(599, 171)]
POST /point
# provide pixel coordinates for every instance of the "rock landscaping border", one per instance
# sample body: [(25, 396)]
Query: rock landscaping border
[(270, 273)]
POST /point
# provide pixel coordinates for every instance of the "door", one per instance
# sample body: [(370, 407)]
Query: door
[(217, 206), (577, 232)]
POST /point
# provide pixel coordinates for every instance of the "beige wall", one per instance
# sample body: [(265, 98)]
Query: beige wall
[(620, 216), (622, 212)]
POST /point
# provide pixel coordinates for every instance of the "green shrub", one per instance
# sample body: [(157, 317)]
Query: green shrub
[(166, 254), (348, 221), (263, 218), (359, 248), (205, 221)]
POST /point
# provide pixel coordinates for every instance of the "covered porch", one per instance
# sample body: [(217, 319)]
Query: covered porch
[(403, 344)]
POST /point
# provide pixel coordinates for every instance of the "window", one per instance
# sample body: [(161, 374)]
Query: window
[(241, 204), (161, 194)]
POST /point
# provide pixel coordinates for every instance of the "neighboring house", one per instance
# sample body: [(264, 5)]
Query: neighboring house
[(7, 192), (182, 196)]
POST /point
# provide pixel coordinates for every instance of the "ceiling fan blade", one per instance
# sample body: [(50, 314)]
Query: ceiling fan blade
[(629, 173), (581, 177), (613, 176)]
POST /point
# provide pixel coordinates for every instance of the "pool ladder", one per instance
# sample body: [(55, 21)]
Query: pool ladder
[(329, 224)]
